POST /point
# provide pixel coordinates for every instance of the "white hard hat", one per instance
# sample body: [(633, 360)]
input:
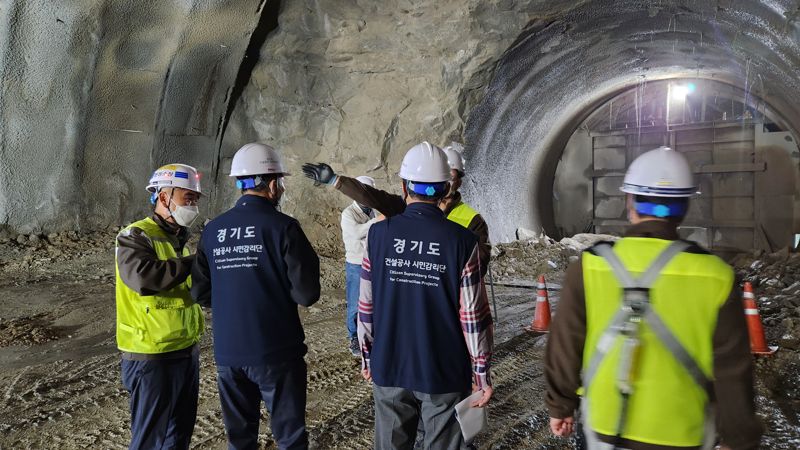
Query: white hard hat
[(369, 181), (257, 159), (425, 163), (455, 158), (662, 172), (175, 175)]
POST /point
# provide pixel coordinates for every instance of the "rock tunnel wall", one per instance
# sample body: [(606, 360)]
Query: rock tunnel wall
[(380, 79), (95, 94), (357, 83)]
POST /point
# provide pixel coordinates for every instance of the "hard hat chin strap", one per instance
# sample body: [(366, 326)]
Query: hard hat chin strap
[(169, 203), (154, 197), (154, 202)]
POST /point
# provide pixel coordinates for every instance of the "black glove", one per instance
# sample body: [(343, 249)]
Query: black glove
[(321, 173)]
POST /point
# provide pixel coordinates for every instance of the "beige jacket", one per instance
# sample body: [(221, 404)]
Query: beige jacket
[(355, 226)]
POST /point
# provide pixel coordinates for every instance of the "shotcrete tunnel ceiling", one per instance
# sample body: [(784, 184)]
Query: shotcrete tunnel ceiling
[(559, 72), (105, 98)]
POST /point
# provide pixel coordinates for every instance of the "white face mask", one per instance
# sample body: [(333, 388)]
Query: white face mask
[(184, 215)]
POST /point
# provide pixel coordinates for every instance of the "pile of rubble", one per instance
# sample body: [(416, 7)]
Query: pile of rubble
[(775, 277), (776, 280), (33, 254), (534, 255), (21, 252), (26, 331)]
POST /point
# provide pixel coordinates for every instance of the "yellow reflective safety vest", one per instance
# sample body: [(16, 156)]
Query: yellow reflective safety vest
[(462, 214), (160, 323), (667, 405)]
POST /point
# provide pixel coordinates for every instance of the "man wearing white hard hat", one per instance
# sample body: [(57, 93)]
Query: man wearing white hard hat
[(423, 317), (457, 210), (158, 324), (390, 204), (356, 220), (254, 267), (651, 330)]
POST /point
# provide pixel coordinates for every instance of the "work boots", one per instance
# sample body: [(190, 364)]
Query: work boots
[(355, 348)]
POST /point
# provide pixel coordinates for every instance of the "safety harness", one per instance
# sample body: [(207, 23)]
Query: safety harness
[(627, 324)]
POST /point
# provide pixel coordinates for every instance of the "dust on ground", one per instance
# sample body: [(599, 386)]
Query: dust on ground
[(59, 368)]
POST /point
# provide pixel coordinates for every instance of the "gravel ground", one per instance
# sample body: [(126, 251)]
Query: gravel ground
[(59, 369)]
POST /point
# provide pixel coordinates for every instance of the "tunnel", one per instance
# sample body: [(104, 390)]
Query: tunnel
[(743, 165), (552, 100), (514, 86), (559, 72)]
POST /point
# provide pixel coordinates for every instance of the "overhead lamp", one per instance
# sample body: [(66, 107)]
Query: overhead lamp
[(680, 91)]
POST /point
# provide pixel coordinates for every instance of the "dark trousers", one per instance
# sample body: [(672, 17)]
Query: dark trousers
[(163, 401), (281, 386), (398, 412)]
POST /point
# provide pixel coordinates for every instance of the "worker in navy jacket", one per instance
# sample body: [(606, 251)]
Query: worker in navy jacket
[(424, 323), (255, 266)]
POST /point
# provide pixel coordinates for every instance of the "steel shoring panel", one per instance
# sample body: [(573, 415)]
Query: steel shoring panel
[(727, 217)]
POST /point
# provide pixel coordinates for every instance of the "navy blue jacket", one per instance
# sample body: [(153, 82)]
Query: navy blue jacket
[(254, 266), (416, 260)]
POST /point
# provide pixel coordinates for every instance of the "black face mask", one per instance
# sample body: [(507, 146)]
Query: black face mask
[(366, 210)]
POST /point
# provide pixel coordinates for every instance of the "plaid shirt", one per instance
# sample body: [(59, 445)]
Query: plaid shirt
[(475, 316)]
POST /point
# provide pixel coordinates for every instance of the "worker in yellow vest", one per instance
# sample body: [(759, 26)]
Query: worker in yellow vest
[(158, 324), (650, 331), (454, 207), (391, 205)]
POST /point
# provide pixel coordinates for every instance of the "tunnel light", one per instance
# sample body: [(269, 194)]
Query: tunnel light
[(680, 91)]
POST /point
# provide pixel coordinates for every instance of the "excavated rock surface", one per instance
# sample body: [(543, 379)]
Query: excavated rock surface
[(357, 83)]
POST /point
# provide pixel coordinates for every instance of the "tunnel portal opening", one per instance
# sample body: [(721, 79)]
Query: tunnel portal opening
[(744, 156)]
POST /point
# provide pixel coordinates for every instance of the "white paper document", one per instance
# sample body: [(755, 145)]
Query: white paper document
[(472, 420)]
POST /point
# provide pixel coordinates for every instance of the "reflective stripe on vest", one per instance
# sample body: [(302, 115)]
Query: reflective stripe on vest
[(462, 214), (165, 322), (667, 406)]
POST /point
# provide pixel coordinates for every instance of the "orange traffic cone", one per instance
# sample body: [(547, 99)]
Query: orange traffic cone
[(758, 342), (541, 317)]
